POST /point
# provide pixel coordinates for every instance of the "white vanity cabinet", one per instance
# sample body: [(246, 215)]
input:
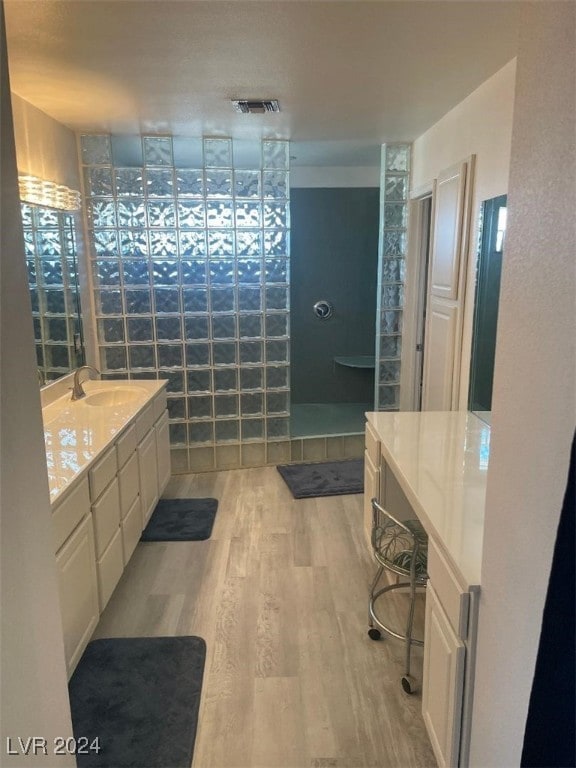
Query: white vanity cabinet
[(98, 519), (432, 466)]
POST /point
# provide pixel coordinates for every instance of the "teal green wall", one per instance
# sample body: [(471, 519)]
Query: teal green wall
[(334, 256)]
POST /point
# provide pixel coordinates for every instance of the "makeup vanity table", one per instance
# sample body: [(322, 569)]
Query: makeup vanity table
[(433, 465)]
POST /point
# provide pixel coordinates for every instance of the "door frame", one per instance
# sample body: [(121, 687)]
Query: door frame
[(421, 222)]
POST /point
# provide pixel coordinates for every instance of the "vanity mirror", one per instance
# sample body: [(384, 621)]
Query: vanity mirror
[(51, 260), (493, 229)]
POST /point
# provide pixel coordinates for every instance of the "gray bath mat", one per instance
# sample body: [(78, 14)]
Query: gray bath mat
[(139, 698), (329, 478), (181, 520)]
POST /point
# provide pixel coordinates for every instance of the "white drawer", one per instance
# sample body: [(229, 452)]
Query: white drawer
[(160, 404), (372, 445), (106, 517), (145, 422), (455, 600), (128, 482), (68, 513), (101, 473), (126, 445), (131, 530), (109, 568)]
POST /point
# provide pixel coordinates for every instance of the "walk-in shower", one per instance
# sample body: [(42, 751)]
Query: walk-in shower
[(334, 259), (205, 267)]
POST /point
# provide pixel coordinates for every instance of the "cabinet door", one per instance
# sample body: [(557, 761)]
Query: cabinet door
[(106, 517), (148, 468), (443, 683), (131, 530), (109, 569), (78, 587), (371, 491), (163, 452), (129, 484)]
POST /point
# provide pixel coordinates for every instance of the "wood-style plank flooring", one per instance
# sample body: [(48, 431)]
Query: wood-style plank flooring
[(279, 593)]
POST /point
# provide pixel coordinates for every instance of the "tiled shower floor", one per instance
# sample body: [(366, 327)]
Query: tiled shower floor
[(320, 419)]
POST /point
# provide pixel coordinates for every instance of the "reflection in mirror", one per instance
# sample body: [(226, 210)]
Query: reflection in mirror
[(50, 250), (493, 228)]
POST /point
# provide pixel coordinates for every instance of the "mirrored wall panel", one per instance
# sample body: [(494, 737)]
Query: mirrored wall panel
[(50, 249), (491, 248)]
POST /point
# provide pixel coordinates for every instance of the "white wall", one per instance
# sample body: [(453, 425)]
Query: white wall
[(34, 695), (44, 147), (335, 176), (534, 403), (480, 125)]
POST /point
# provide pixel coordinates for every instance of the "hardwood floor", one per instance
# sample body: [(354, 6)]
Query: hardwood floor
[(279, 593)]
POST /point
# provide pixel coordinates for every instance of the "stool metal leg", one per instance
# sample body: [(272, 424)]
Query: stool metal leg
[(373, 632), (408, 682)]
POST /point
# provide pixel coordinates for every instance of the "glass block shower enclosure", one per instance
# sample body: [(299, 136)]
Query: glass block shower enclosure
[(189, 259), (394, 195)]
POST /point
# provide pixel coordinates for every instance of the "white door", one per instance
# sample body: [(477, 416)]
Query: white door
[(445, 301)]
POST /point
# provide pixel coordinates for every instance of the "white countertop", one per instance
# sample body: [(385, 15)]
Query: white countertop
[(440, 460), (76, 433)]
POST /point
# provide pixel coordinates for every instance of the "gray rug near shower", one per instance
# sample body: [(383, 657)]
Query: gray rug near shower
[(328, 478), (140, 698), (181, 520)]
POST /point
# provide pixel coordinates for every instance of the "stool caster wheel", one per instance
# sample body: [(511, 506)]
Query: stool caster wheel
[(408, 684), (374, 634)]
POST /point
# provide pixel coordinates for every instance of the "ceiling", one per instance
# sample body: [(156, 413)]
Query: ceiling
[(348, 75)]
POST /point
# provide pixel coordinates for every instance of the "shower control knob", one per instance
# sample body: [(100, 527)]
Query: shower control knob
[(323, 309)]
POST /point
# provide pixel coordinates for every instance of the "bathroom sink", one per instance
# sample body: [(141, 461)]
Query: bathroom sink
[(115, 396)]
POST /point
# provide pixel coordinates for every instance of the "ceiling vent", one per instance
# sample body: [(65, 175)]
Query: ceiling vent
[(256, 106)]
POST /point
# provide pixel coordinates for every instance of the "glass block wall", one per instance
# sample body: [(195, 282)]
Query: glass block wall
[(50, 249), (394, 194), (190, 272)]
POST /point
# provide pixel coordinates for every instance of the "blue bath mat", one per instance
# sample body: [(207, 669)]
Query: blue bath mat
[(181, 520), (328, 478), (136, 700)]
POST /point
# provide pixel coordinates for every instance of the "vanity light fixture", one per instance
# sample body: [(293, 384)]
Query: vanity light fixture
[(256, 106), (48, 193)]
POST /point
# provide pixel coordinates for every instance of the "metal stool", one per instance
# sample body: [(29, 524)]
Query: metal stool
[(401, 548)]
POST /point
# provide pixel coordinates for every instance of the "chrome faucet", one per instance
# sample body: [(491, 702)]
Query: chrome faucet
[(77, 390)]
